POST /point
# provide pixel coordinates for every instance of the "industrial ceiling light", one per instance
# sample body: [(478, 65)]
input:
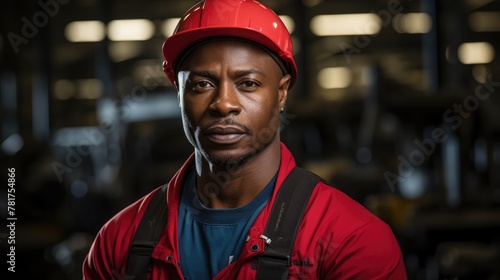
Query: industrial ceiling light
[(131, 30), (334, 77), (168, 26), (85, 31), (346, 24), (476, 53), (412, 23)]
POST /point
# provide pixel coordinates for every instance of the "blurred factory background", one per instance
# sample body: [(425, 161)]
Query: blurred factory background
[(397, 104)]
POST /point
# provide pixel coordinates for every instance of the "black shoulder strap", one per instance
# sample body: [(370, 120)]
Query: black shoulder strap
[(147, 235), (280, 231), (283, 224)]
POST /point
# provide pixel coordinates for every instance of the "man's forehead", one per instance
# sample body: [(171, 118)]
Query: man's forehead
[(225, 46), (204, 50), (240, 56)]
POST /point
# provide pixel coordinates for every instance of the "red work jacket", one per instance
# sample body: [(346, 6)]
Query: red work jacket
[(337, 239)]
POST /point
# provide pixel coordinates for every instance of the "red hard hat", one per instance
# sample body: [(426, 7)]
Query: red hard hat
[(247, 19)]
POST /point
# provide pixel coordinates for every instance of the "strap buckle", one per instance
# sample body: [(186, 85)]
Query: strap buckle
[(277, 256), (267, 240)]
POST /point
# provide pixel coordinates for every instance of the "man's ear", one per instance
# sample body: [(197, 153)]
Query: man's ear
[(170, 75), (283, 86)]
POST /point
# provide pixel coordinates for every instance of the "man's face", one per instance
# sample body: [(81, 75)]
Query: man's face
[(230, 94)]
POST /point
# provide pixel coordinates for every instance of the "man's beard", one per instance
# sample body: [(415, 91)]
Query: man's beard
[(237, 161), (226, 161)]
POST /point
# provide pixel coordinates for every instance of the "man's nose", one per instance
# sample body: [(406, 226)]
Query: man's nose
[(226, 100)]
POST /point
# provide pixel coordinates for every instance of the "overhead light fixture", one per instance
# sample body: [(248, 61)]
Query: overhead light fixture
[(90, 88), (289, 23), (64, 89), (168, 26), (346, 24), (131, 30), (412, 23), (121, 51), (85, 31), (334, 77), (485, 21), (476, 53)]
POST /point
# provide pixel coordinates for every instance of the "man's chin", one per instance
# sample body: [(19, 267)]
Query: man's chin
[(229, 160), (233, 157)]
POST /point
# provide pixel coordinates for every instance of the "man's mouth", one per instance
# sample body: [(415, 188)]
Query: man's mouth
[(225, 134)]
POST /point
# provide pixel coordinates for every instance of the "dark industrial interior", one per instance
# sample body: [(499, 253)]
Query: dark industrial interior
[(397, 104)]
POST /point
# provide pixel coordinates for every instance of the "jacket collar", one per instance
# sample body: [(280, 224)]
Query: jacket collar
[(168, 246)]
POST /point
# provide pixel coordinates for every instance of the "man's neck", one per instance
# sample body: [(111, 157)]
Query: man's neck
[(235, 186)]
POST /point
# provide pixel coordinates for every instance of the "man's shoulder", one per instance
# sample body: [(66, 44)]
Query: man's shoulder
[(340, 211), (130, 216), (109, 251), (346, 234)]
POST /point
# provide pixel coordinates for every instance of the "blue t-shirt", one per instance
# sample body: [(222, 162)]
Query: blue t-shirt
[(211, 239)]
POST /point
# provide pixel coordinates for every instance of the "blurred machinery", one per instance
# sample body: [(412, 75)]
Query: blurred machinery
[(397, 105)]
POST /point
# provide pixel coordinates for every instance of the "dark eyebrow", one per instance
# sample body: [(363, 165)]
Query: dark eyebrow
[(206, 74), (241, 73), (238, 73)]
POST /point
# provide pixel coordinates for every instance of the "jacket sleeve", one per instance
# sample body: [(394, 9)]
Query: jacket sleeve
[(99, 263), (367, 252), (108, 255)]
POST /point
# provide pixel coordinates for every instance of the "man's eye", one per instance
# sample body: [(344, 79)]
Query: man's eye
[(249, 84), (202, 84)]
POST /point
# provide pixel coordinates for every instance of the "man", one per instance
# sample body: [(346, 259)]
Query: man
[(232, 64)]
